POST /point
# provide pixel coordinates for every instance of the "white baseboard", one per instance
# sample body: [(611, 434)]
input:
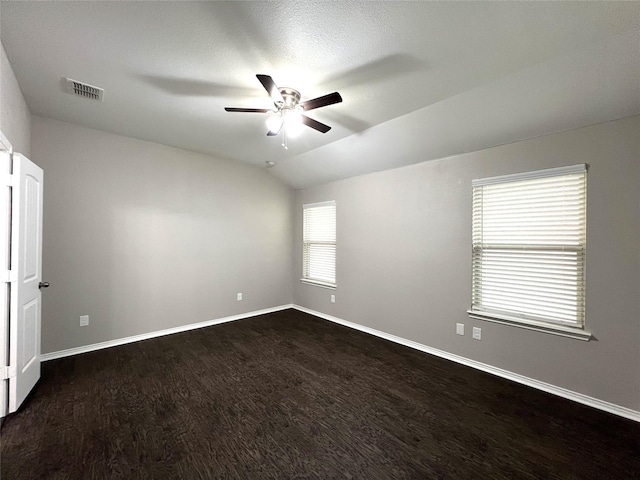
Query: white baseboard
[(144, 336), (531, 382)]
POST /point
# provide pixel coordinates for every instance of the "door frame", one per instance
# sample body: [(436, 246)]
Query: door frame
[(5, 235)]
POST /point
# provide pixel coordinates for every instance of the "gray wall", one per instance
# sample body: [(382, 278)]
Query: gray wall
[(15, 118), (404, 259), (143, 237)]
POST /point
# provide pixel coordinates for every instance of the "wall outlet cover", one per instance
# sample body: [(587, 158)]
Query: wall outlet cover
[(460, 328), (84, 320), (477, 333), (333, 299), (239, 296)]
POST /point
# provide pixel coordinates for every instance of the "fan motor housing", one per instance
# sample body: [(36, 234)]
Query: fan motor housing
[(291, 96)]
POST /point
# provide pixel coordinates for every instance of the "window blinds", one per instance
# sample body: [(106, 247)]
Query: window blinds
[(529, 235), (319, 243)]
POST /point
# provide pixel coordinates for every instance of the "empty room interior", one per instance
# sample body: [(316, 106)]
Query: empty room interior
[(365, 240)]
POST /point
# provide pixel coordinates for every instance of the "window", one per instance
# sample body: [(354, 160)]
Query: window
[(529, 233), (319, 244)]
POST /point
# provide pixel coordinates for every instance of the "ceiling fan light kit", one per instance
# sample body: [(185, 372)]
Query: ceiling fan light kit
[(288, 115)]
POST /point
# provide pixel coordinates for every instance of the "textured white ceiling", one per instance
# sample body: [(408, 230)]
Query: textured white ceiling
[(420, 80)]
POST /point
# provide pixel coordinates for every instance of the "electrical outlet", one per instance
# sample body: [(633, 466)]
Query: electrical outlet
[(477, 333), (460, 328), (84, 320), (239, 296), (333, 299)]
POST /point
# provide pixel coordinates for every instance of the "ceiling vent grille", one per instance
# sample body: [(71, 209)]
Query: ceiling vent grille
[(84, 90)]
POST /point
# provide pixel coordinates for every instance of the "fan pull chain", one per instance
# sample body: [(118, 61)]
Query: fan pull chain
[(284, 137)]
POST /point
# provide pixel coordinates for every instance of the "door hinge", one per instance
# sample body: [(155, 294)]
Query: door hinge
[(7, 180), (7, 372), (8, 276)]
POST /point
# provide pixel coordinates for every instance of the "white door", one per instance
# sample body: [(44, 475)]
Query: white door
[(26, 272)]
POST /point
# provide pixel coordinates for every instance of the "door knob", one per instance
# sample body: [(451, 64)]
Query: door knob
[(43, 284)]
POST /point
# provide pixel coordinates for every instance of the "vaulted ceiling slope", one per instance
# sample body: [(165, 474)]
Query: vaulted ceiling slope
[(420, 80)]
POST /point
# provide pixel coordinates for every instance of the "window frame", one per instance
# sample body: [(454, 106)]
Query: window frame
[(305, 244), (524, 320)]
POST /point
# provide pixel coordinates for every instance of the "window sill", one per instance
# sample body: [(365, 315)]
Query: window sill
[(318, 283), (560, 330)]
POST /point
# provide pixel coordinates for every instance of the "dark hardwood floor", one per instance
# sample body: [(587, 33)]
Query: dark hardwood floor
[(291, 396)]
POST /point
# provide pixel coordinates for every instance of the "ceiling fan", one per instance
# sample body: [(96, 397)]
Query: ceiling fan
[(288, 109)]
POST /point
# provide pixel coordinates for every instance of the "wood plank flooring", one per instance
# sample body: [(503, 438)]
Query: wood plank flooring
[(290, 396)]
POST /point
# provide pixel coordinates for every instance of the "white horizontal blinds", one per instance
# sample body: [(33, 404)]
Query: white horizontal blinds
[(319, 242), (529, 246)]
